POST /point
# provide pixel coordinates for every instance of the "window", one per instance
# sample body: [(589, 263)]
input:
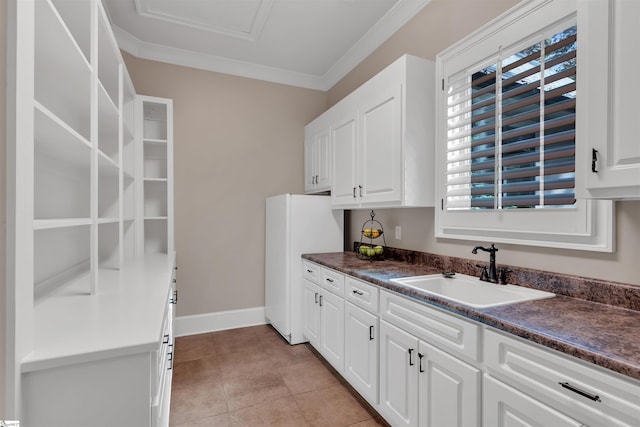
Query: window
[(507, 134)]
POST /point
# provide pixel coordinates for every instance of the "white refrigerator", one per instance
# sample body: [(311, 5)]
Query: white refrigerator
[(295, 224)]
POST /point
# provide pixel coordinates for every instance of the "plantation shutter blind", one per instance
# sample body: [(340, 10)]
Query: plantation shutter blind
[(511, 129)]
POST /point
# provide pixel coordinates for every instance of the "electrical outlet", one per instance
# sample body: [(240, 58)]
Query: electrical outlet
[(398, 232)]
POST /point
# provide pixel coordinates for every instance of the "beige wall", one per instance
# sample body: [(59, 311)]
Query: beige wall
[(3, 145), (429, 32), (237, 141)]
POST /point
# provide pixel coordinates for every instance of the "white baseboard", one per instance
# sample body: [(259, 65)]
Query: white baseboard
[(219, 321)]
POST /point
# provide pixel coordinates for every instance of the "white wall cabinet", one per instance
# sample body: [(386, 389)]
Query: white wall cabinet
[(155, 190), (75, 164), (382, 139), (317, 156), (608, 149)]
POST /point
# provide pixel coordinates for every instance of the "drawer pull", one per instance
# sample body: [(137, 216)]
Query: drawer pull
[(329, 279), (309, 271), (575, 389), (357, 292), (411, 357)]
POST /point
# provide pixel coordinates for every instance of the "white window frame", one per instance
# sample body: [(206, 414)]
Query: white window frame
[(588, 226)]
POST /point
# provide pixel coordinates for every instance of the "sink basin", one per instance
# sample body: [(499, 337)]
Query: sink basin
[(472, 292)]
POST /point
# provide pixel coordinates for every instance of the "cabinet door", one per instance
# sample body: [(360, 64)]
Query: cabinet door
[(311, 300), (505, 406), (380, 156), (344, 139), (398, 376), (449, 389), (323, 160), (332, 329), (613, 127), (309, 164), (361, 351)]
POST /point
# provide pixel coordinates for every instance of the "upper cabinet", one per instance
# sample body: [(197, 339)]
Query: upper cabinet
[(608, 162), (382, 139), (378, 141), (317, 155)]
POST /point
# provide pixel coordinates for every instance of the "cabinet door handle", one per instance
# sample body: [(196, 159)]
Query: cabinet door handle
[(316, 297), (594, 160), (575, 389), (371, 333), (320, 300), (411, 357), (329, 279), (166, 339), (420, 356), (175, 296), (316, 179), (357, 292), (360, 186)]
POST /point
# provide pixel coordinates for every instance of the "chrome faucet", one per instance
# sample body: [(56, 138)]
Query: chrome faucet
[(492, 275)]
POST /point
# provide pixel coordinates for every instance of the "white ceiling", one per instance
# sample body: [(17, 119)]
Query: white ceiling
[(307, 43)]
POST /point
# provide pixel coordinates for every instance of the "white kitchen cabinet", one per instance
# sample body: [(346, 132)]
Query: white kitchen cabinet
[(382, 139), (113, 363), (317, 157), (398, 376), (608, 146), (421, 385), (505, 406), (587, 393), (449, 389), (323, 305), (311, 316), (332, 329), (361, 351)]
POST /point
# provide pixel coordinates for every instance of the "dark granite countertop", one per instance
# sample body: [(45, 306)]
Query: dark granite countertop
[(602, 334)]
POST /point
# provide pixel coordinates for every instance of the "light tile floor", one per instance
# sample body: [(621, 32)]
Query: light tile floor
[(252, 377)]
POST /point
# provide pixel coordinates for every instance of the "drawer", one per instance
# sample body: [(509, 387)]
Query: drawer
[(447, 331), (311, 272), (610, 400), (332, 281), (361, 294)]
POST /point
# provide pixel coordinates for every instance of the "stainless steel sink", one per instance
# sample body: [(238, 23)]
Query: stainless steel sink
[(472, 292)]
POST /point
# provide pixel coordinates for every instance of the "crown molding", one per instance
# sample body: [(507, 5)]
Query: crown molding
[(218, 64), (399, 15)]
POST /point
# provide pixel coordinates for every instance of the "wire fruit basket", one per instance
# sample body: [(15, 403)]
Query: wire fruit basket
[(370, 247)]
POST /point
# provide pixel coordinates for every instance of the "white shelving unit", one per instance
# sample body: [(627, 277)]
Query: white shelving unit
[(156, 188), (79, 199)]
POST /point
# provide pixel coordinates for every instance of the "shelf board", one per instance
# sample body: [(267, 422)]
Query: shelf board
[(62, 73), (108, 220), (155, 217), (56, 140), (155, 179), (154, 141), (128, 219), (48, 224)]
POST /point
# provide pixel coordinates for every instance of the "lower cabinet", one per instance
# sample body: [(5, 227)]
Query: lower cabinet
[(421, 385), (418, 365), (505, 406), (361, 351), (332, 329), (324, 322)]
